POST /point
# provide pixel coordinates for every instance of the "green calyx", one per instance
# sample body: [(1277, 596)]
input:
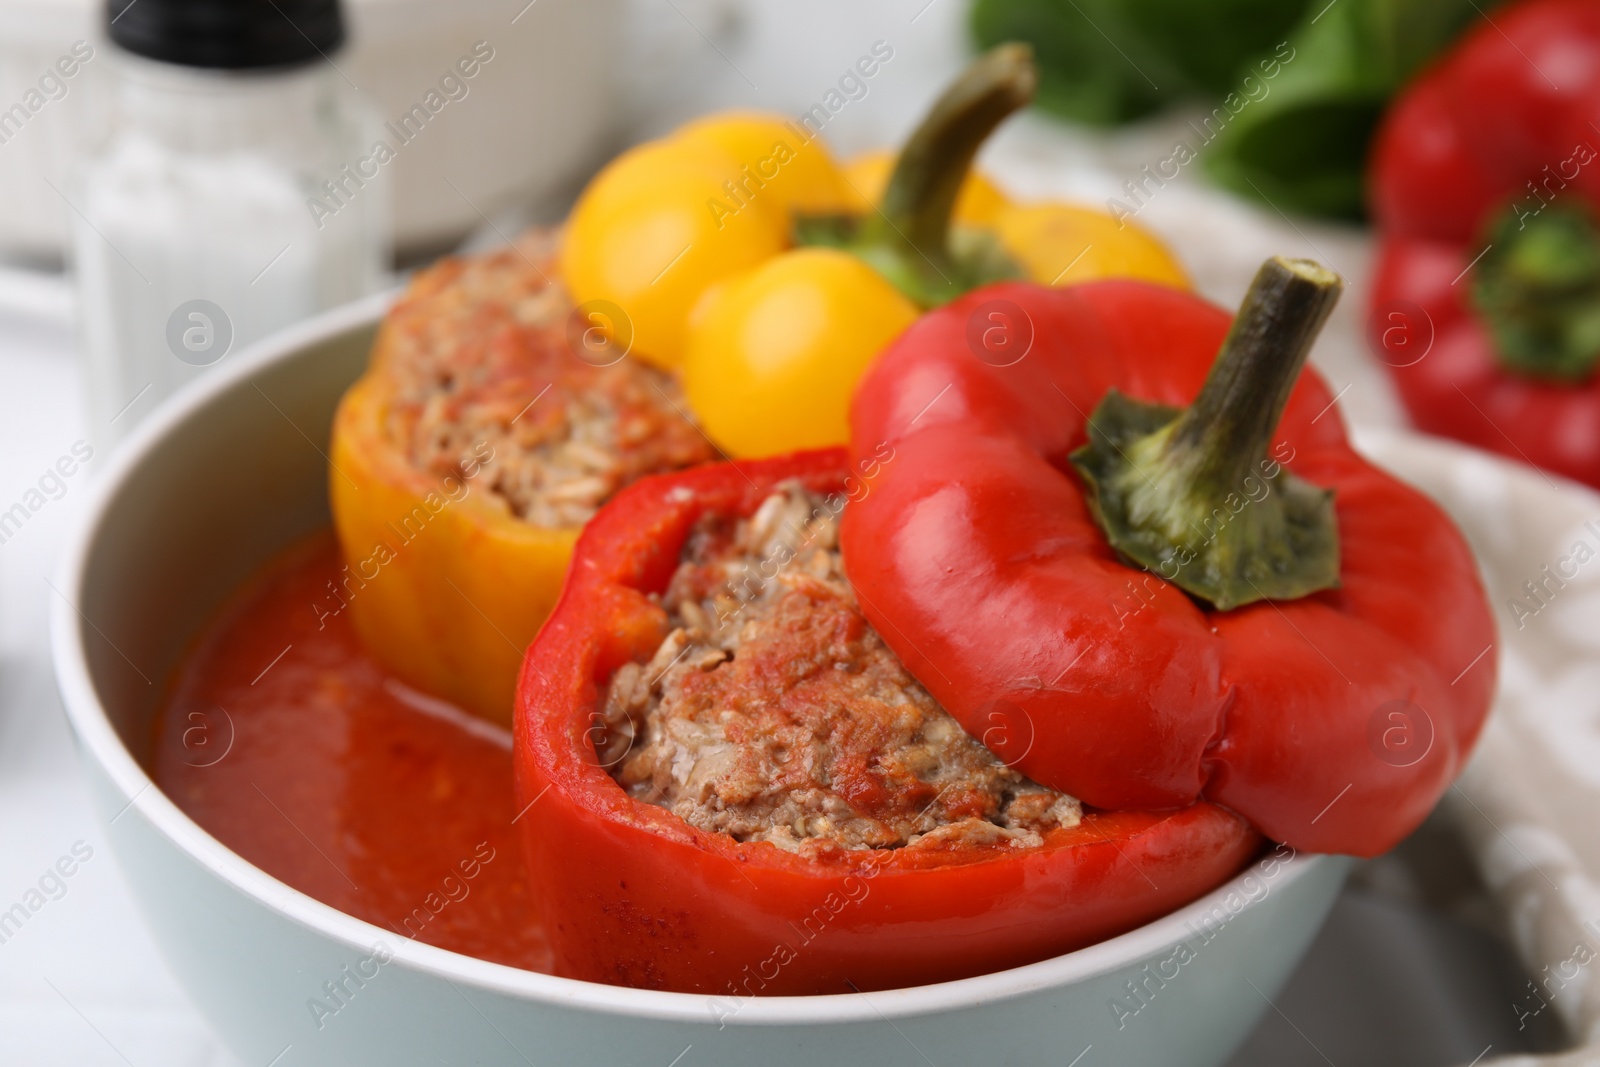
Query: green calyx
[(1537, 289), (1193, 495), (910, 239)]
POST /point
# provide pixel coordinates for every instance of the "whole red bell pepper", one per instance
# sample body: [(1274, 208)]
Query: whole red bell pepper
[(1484, 186), (637, 896), (1271, 622)]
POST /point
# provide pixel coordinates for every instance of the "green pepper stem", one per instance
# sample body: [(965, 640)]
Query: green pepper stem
[(1537, 289), (909, 237), (1230, 424), (1193, 494)]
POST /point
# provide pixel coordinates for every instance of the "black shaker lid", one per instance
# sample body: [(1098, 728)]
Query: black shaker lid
[(230, 34)]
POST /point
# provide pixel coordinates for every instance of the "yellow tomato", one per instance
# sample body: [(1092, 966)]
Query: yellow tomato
[(976, 205), (1063, 244), (647, 236), (775, 353), (776, 158)]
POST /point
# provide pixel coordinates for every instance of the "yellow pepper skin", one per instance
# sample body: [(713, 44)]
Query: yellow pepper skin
[(978, 203), (1064, 244), (1054, 243), (451, 610), (643, 238), (770, 342), (809, 181), (801, 327)]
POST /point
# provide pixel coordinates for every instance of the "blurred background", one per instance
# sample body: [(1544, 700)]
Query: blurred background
[(119, 174), (158, 217)]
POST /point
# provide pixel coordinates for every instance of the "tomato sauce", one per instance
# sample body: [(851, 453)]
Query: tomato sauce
[(283, 739)]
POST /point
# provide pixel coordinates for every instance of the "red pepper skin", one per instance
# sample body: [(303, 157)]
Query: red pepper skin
[(978, 560), (638, 897), (1471, 136)]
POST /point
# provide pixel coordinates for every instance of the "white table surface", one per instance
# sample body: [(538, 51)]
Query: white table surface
[(80, 983)]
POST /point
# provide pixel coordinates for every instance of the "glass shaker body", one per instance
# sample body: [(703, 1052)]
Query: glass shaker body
[(220, 207)]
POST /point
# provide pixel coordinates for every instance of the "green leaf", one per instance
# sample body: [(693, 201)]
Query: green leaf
[(1301, 141), (1211, 41), (1109, 61), (1089, 57), (1303, 147)]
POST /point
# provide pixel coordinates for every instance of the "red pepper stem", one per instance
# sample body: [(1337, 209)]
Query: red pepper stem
[(1191, 494), (908, 237), (1230, 424)]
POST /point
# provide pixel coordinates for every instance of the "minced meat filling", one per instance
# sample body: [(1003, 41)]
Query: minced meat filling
[(478, 354), (774, 712)]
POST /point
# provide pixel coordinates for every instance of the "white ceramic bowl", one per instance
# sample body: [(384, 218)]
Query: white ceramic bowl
[(232, 470)]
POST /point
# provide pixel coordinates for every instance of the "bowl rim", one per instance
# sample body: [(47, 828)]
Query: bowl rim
[(100, 743)]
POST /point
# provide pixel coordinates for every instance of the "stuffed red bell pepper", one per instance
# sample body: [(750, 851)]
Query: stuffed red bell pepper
[(731, 786), (1486, 302), (1198, 590)]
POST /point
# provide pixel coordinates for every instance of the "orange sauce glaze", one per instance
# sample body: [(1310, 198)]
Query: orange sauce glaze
[(291, 746)]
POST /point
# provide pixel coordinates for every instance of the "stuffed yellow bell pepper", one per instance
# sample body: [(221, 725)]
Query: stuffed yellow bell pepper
[(742, 255), (452, 586), (488, 427)]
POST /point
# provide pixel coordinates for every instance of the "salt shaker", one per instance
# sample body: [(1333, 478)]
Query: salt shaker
[(221, 204)]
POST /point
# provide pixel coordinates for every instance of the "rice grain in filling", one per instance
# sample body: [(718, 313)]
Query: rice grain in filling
[(774, 712), (479, 361)]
